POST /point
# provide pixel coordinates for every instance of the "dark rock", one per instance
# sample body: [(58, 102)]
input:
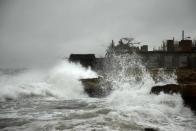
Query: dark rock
[(187, 91), (169, 88), (189, 96), (150, 129), (186, 76), (96, 87)]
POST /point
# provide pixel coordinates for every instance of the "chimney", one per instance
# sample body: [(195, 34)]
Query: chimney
[(183, 35)]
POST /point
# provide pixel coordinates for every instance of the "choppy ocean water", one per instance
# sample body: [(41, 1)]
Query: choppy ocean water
[(55, 100)]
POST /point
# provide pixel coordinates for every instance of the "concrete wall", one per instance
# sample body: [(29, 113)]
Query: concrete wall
[(152, 59), (169, 60)]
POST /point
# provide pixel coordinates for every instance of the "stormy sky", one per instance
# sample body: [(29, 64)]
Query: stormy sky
[(39, 32)]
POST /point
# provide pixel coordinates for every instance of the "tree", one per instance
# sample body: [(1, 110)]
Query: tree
[(129, 41)]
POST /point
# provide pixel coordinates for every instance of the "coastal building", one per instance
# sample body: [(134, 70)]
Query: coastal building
[(170, 45), (173, 54), (144, 48), (185, 45)]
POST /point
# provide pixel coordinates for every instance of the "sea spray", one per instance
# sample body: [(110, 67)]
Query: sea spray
[(62, 81), (126, 69), (130, 106), (131, 96), (163, 76)]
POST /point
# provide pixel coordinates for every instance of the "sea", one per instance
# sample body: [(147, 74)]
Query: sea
[(55, 100)]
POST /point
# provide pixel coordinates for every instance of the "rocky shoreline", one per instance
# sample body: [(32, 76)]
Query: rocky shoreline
[(187, 91), (186, 86), (94, 87)]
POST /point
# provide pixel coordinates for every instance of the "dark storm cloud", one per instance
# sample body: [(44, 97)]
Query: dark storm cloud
[(37, 32)]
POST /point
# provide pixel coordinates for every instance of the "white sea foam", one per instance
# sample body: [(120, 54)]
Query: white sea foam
[(62, 81), (130, 106), (132, 100)]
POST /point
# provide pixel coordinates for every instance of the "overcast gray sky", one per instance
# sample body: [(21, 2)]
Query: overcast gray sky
[(38, 32)]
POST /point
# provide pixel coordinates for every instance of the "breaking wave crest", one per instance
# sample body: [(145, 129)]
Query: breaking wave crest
[(62, 81), (130, 106)]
